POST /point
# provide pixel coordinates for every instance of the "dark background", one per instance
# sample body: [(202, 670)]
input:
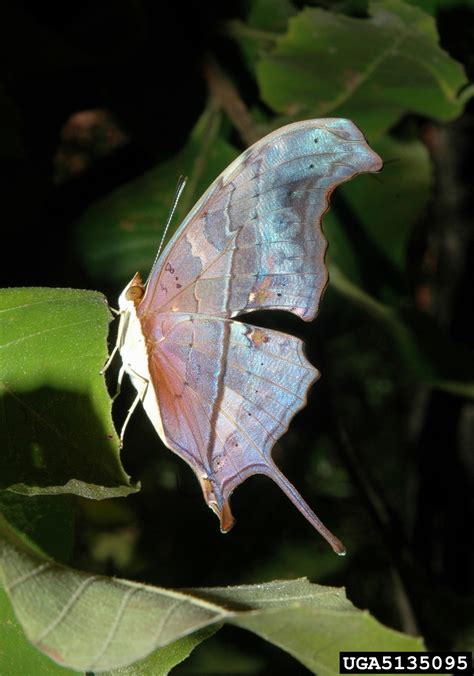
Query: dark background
[(407, 519), (141, 61)]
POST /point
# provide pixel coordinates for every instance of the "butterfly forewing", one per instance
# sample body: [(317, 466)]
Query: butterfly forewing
[(254, 240)]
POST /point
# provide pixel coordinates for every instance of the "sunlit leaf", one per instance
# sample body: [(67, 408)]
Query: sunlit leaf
[(90, 622), (57, 434)]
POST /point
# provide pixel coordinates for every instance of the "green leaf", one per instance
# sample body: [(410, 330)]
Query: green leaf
[(48, 521), (163, 660), (270, 15), (316, 634), (405, 184), (57, 434), (372, 71), (90, 622), (17, 655), (227, 658), (119, 235), (266, 20)]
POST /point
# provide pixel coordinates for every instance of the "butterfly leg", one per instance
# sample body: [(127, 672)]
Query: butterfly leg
[(110, 359), (118, 342), (119, 383), (140, 396)]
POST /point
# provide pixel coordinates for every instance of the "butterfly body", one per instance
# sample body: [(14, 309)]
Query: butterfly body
[(134, 352), (220, 392)]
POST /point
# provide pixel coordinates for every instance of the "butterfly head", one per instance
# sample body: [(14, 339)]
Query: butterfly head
[(132, 294)]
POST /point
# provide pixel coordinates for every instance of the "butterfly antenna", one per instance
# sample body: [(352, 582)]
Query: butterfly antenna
[(177, 194)]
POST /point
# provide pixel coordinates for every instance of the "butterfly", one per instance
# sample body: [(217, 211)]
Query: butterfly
[(221, 392)]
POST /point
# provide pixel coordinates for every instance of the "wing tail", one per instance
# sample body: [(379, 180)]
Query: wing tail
[(290, 491)]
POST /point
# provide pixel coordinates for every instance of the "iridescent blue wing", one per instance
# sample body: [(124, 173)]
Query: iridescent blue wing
[(227, 391), (254, 240)]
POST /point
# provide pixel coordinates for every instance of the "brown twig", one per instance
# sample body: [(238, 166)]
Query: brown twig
[(224, 91)]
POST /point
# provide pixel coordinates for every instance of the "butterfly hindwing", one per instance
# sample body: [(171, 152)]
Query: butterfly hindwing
[(227, 392)]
